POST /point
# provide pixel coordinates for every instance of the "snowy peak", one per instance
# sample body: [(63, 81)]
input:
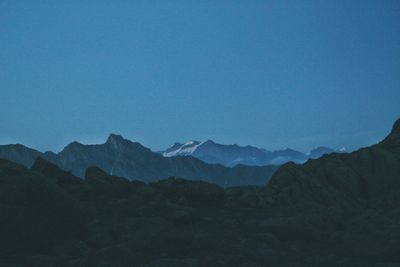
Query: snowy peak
[(231, 155), (179, 149), (212, 152)]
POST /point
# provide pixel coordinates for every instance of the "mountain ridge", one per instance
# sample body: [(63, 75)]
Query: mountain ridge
[(230, 155), (122, 157), (338, 210)]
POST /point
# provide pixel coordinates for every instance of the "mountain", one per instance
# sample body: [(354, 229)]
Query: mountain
[(360, 176), (19, 153), (287, 155), (121, 157), (231, 155), (320, 151), (211, 152), (338, 210), (349, 200)]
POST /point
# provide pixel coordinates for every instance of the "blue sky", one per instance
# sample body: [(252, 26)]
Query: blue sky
[(273, 74)]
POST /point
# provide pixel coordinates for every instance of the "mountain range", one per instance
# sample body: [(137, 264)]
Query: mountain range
[(337, 210), (121, 157), (231, 155)]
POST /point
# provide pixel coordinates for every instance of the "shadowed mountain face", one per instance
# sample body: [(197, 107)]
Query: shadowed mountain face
[(362, 176), (19, 153), (351, 200), (231, 155), (339, 210), (122, 157)]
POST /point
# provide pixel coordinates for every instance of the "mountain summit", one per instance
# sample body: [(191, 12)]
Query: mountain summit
[(115, 139), (231, 155), (393, 139)]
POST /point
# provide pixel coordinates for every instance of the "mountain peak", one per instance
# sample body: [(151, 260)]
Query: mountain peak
[(396, 129), (209, 142), (191, 143), (116, 141), (115, 138), (394, 137), (72, 146)]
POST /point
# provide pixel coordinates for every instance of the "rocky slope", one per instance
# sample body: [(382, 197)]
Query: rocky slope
[(348, 200)]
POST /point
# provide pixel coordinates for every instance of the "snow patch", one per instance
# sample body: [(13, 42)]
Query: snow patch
[(185, 150)]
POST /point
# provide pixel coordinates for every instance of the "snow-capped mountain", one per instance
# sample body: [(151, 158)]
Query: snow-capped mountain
[(231, 155), (179, 149), (121, 157)]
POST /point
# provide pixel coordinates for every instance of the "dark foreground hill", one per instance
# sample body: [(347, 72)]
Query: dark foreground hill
[(121, 157), (340, 210)]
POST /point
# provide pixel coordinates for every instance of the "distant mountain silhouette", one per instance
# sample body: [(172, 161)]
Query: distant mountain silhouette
[(231, 155), (320, 151), (121, 157)]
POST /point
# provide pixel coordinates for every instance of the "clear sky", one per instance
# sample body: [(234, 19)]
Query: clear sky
[(273, 74)]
